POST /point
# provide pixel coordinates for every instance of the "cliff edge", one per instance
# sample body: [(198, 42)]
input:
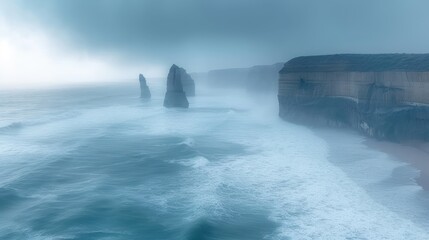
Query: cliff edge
[(382, 95)]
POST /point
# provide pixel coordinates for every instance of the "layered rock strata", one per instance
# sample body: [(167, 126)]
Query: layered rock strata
[(381, 95)]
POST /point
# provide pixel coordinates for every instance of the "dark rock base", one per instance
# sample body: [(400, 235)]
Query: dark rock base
[(396, 124), (176, 100)]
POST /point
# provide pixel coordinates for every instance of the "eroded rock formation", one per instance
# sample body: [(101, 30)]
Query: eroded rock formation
[(188, 83), (382, 95), (175, 95), (144, 89)]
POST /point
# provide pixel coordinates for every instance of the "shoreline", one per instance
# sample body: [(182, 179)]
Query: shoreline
[(414, 153)]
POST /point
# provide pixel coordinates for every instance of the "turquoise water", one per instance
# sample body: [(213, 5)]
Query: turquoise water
[(96, 162)]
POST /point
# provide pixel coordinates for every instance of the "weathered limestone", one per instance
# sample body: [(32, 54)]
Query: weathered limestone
[(383, 95), (175, 96), (144, 89), (188, 83)]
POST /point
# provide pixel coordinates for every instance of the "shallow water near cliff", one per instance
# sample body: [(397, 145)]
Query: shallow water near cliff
[(96, 162)]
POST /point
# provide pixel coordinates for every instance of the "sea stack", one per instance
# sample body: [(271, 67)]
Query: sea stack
[(144, 89), (188, 83), (175, 97)]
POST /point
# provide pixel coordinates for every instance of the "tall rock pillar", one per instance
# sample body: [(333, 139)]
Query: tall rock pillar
[(175, 97)]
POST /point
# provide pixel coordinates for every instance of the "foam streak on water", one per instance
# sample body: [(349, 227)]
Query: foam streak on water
[(98, 163)]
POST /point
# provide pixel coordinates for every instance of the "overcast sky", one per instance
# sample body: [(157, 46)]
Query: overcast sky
[(54, 41)]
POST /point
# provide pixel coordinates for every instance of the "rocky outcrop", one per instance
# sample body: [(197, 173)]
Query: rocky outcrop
[(188, 83), (175, 97), (144, 89), (381, 95)]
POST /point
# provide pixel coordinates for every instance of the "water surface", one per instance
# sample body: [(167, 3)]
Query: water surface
[(97, 162)]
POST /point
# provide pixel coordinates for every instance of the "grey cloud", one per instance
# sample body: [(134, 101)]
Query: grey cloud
[(221, 33)]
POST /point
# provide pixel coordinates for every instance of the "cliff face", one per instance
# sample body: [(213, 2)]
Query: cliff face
[(383, 95)]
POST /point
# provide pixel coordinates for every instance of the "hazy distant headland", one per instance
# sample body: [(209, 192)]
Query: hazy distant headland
[(382, 95), (259, 78)]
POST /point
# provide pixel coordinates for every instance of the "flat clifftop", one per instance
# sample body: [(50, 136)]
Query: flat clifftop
[(358, 63)]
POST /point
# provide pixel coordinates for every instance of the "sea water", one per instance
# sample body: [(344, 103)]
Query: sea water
[(97, 162)]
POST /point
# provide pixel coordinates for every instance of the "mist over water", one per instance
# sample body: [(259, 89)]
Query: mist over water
[(97, 162)]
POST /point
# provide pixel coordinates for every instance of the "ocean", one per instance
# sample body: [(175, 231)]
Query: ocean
[(98, 162)]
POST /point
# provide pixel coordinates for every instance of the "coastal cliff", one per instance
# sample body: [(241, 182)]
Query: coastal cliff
[(382, 95)]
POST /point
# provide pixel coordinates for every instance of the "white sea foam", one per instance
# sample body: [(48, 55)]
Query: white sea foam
[(195, 162), (310, 197), (231, 112), (289, 172), (283, 170), (189, 142)]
